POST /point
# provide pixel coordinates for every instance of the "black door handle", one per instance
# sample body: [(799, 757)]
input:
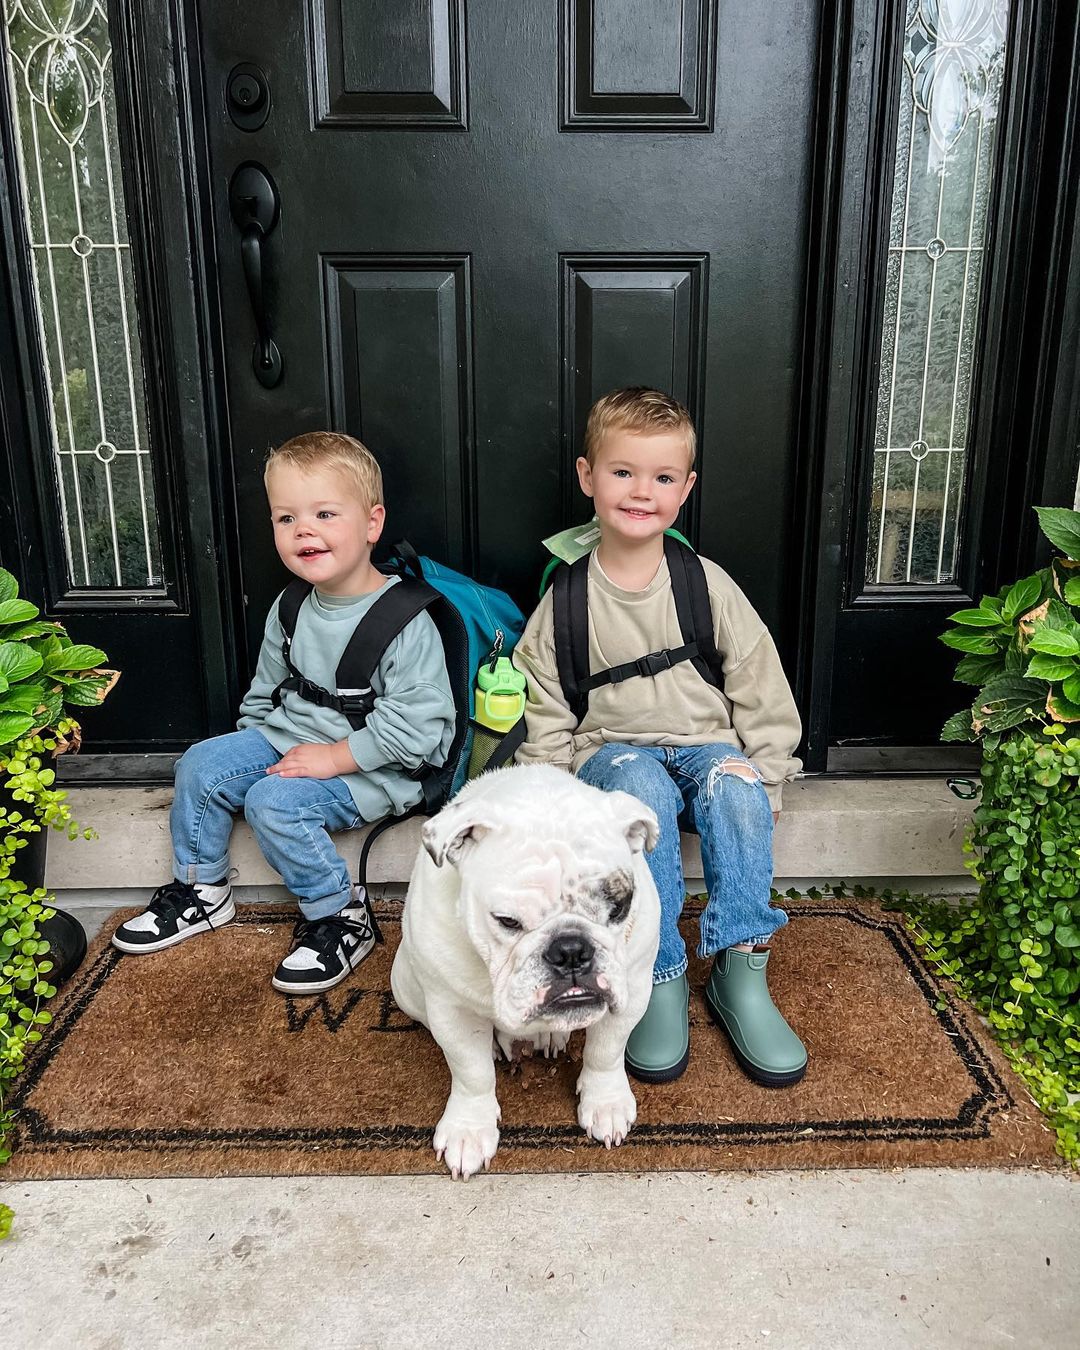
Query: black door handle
[(251, 242), (254, 202)]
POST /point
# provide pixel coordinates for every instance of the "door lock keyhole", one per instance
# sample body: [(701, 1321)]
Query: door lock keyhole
[(247, 97)]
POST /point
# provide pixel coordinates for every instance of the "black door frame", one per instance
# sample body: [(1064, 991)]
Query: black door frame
[(1035, 417), (1026, 387), (169, 164)]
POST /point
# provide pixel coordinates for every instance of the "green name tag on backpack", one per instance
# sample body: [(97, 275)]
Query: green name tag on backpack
[(572, 544)]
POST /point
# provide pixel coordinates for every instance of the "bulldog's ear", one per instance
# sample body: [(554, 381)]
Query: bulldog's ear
[(449, 834), (638, 821)]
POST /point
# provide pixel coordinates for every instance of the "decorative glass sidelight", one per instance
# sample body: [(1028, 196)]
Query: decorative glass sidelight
[(62, 93), (954, 57)]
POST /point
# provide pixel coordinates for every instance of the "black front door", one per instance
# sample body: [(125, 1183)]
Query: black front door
[(491, 214)]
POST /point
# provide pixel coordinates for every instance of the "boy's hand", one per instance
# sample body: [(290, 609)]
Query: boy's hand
[(315, 761), (775, 817)]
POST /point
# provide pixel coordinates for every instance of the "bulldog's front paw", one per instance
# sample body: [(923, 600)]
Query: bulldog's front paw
[(465, 1147), (606, 1107)]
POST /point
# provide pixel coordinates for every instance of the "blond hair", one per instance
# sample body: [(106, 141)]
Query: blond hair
[(332, 450), (639, 410)]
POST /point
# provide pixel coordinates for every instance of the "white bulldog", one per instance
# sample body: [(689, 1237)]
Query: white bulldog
[(531, 912)]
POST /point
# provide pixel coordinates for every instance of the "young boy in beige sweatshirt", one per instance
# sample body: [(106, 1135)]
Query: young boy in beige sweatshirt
[(706, 758)]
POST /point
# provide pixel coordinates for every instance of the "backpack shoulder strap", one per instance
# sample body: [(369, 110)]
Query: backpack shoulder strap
[(570, 613), (394, 610), (693, 608), (690, 590), (292, 597)]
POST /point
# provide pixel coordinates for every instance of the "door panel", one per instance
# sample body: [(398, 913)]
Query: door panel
[(630, 321), (637, 65), (389, 62), (400, 339)]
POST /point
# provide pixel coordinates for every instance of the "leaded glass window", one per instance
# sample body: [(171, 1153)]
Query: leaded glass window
[(60, 79), (953, 55)]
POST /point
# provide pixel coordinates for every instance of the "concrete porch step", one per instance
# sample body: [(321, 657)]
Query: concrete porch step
[(832, 829)]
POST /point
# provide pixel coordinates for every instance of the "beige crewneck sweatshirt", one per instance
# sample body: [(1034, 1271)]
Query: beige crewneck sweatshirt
[(756, 711)]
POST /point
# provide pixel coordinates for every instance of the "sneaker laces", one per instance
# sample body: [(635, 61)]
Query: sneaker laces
[(170, 901), (324, 935)]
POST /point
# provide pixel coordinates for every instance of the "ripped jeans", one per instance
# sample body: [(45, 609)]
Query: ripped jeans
[(704, 788)]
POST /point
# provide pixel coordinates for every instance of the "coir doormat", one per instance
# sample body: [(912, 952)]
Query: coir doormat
[(188, 1063)]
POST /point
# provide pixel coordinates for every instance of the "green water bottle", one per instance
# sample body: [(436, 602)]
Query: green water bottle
[(500, 703)]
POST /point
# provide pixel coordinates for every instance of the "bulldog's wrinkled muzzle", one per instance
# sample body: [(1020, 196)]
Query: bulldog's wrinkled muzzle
[(574, 986)]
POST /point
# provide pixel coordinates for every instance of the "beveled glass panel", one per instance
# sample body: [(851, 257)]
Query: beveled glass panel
[(954, 55), (57, 61)]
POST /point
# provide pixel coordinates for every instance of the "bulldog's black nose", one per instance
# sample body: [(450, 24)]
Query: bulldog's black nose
[(570, 954)]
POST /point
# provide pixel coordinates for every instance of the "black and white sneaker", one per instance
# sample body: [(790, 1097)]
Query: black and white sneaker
[(326, 950), (176, 911)]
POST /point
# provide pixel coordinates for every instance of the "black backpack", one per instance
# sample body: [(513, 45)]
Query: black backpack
[(690, 591), (354, 697), (470, 618)]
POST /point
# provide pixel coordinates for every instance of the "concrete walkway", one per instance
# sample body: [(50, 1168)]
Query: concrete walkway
[(802, 1260)]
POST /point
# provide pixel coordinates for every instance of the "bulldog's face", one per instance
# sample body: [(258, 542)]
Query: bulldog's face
[(548, 907)]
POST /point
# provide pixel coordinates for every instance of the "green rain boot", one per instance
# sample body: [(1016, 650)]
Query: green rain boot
[(738, 1000), (658, 1050)]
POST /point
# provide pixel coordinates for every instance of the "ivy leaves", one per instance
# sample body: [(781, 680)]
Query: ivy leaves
[(42, 672), (25, 967), (1016, 952)]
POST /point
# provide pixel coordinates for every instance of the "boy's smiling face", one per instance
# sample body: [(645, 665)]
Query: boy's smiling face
[(323, 529), (638, 482)]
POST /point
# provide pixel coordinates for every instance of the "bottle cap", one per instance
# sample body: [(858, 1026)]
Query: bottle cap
[(504, 679)]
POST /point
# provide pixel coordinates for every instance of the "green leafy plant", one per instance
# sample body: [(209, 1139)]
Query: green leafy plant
[(1015, 953), (42, 675), (1021, 647)]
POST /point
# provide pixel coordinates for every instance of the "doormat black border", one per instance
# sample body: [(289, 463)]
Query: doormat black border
[(989, 1097)]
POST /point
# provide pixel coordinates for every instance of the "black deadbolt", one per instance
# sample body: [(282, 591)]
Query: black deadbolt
[(247, 97)]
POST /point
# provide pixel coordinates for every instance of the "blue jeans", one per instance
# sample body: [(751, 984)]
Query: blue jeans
[(692, 787), (290, 818)]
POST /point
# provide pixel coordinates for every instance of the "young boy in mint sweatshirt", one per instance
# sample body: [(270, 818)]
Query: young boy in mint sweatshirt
[(297, 769), (703, 757)]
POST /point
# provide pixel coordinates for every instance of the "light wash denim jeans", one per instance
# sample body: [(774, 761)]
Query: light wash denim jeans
[(290, 818), (692, 787)]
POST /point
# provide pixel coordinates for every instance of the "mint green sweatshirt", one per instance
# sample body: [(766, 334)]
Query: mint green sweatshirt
[(413, 718)]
